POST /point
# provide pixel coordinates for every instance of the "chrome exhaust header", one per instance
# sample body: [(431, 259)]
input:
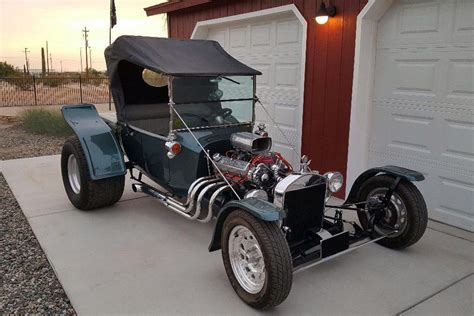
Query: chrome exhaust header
[(193, 203)]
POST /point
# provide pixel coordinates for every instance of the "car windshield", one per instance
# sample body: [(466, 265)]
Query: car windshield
[(213, 101)]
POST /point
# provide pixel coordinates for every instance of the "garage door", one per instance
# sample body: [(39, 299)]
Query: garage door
[(273, 44), (424, 102)]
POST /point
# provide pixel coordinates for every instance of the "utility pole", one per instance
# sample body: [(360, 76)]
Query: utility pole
[(90, 57), (47, 59), (86, 44), (80, 54), (43, 63), (27, 63), (51, 62)]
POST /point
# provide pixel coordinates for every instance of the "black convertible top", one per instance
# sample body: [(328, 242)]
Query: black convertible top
[(174, 57)]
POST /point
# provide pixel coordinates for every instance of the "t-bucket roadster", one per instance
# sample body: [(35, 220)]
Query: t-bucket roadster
[(185, 119)]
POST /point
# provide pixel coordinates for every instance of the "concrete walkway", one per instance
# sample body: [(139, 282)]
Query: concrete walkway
[(138, 257)]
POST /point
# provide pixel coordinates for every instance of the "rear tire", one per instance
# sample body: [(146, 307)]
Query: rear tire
[(83, 192), (412, 201), (265, 246)]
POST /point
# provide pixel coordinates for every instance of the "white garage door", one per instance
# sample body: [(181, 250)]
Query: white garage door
[(424, 101), (272, 44)]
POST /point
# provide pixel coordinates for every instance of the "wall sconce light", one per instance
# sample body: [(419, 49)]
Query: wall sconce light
[(324, 12)]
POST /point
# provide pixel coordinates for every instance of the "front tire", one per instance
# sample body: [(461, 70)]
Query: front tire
[(83, 192), (257, 260), (407, 210)]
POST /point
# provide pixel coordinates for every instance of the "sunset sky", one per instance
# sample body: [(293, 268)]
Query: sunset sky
[(30, 23)]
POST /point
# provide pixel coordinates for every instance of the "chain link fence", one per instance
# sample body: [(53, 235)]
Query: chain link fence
[(31, 90)]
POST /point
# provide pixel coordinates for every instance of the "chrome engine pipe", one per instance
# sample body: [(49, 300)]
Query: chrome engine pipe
[(211, 203), (188, 200), (204, 183), (162, 198), (177, 206), (193, 189), (201, 196)]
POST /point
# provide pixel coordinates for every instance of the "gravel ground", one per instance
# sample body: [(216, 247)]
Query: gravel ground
[(28, 283), (16, 143)]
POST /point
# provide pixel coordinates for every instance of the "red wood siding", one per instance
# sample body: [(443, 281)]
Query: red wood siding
[(329, 68)]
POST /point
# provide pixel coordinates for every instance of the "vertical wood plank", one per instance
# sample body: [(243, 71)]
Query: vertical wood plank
[(332, 84)]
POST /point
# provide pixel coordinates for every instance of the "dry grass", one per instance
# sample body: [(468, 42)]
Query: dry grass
[(44, 122)]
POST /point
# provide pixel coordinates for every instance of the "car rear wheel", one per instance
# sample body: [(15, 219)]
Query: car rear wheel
[(83, 192), (257, 260), (406, 213)]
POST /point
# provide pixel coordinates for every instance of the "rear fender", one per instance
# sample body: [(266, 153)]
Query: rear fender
[(101, 148), (261, 209), (403, 173)]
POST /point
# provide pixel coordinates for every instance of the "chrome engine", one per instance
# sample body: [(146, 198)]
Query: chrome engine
[(251, 163)]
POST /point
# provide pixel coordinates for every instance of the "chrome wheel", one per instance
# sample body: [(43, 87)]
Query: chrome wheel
[(395, 214), (246, 259), (73, 174)]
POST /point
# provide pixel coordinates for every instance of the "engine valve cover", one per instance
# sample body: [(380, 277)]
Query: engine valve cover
[(235, 166)]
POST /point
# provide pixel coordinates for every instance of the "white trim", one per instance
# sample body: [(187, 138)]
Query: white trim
[(202, 28), (362, 88)]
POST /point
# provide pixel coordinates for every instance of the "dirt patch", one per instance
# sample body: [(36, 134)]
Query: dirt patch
[(16, 143), (28, 283)]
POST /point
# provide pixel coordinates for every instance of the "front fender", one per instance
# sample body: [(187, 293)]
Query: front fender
[(261, 209), (102, 151), (395, 171)]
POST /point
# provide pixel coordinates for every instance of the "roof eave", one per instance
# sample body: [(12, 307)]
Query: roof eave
[(173, 5)]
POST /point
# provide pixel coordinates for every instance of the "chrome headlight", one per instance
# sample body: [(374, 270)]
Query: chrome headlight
[(335, 181), (255, 193)]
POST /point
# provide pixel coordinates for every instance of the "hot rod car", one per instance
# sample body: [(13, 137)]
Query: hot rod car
[(185, 120)]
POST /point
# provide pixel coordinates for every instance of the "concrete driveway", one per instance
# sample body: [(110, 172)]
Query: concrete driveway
[(138, 257)]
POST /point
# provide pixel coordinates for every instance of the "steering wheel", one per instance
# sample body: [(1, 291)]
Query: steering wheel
[(220, 116), (225, 112)]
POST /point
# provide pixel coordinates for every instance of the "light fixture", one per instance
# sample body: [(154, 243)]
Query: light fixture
[(322, 16)]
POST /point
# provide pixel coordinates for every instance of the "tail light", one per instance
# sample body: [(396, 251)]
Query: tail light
[(174, 148)]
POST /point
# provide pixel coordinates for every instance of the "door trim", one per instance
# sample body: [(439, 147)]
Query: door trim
[(362, 87)]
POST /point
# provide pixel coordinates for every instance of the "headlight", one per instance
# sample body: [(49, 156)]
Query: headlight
[(335, 181), (260, 194)]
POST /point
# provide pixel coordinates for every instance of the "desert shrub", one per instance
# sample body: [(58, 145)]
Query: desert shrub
[(7, 70), (45, 121), (22, 83)]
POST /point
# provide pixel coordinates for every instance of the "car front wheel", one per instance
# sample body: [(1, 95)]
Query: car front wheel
[(406, 217), (83, 192), (257, 260)]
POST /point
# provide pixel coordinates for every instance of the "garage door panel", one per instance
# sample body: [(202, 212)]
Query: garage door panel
[(461, 79), (407, 132), (417, 17), (464, 20), (260, 36), (288, 33), (287, 75), (238, 38), (457, 195), (459, 148), (423, 104)]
